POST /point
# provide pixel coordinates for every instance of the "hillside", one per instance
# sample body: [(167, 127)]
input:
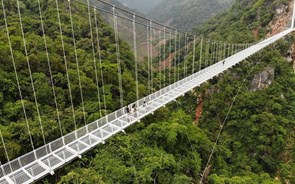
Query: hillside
[(13, 121), (143, 6), (186, 14), (257, 144)]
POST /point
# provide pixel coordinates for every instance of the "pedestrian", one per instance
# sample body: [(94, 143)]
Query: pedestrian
[(223, 62), (144, 104), (127, 110), (134, 108)]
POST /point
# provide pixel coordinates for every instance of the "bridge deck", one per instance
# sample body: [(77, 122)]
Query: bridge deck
[(44, 160)]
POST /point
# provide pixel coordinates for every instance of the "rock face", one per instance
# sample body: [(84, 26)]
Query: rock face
[(263, 79)]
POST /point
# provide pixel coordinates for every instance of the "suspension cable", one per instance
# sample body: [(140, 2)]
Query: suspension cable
[(50, 70), (6, 154), (179, 53), (201, 54), (135, 58), (224, 51), (186, 55), (94, 57), (31, 79), (207, 53), (218, 52), (164, 57), (66, 67), (160, 59), (17, 79), (132, 13), (118, 56), (148, 58), (100, 62), (175, 58), (212, 53), (170, 57), (77, 63), (151, 58), (228, 50), (232, 49), (194, 55)]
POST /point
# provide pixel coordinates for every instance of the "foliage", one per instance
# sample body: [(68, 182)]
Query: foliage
[(14, 129), (187, 13)]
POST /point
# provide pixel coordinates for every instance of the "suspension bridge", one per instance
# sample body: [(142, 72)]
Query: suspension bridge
[(179, 75)]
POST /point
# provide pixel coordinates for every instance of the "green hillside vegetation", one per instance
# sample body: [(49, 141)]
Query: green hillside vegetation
[(256, 146), (236, 25), (186, 14), (13, 124)]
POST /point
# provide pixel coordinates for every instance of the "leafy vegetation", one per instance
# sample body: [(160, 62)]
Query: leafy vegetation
[(187, 13), (13, 123), (256, 146)]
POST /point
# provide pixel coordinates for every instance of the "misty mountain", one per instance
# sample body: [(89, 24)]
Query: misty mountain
[(144, 6), (186, 14)]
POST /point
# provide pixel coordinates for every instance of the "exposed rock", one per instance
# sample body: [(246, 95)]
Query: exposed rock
[(263, 79), (282, 19)]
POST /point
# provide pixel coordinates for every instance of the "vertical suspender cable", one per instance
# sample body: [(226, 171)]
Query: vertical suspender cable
[(164, 57), (151, 57), (201, 52), (17, 79), (118, 56), (77, 62), (179, 53), (32, 81), (148, 57), (232, 49), (213, 53), (66, 67), (50, 70), (94, 57), (228, 50), (170, 57), (207, 53), (185, 55), (175, 56), (100, 62), (224, 51), (218, 51), (135, 58), (7, 156), (160, 59), (194, 54)]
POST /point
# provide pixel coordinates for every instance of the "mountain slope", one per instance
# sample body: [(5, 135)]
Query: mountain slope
[(143, 6), (186, 14), (11, 124), (257, 142)]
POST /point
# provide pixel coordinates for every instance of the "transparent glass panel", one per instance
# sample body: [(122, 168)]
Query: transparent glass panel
[(27, 158), (81, 132), (70, 137), (111, 117), (56, 144)]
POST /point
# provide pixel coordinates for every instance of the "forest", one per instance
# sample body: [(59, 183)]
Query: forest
[(187, 14), (257, 144)]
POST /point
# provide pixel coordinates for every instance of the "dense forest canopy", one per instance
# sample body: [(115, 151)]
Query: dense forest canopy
[(186, 14), (13, 122), (256, 146)]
